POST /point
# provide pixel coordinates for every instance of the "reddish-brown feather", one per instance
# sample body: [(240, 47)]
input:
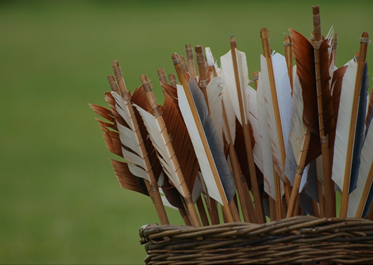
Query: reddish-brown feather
[(103, 112), (303, 52), (126, 179), (181, 141), (139, 98), (239, 146), (304, 57), (170, 91)]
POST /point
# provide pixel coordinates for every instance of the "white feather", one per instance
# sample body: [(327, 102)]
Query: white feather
[(284, 101), (283, 89), (198, 145), (343, 124), (129, 138), (214, 96), (297, 132), (159, 144), (366, 164), (229, 111), (265, 143), (253, 118), (229, 78)]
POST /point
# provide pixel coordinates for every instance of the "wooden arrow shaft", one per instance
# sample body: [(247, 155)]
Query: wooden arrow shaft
[(298, 174), (328, 183), (187, 195), (248, 144), (156, 198), (351, 136), (183, 82)]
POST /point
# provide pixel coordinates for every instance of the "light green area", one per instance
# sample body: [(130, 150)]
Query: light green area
[(59, 199)]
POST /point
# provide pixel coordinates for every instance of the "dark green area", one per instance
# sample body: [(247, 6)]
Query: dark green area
[(59, 199)]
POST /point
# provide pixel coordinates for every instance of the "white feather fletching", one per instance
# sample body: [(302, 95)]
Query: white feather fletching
[(297, 132), (252, 110), (129, 138), (284, 102), (198, 145), (343, 124), (366, 163), (211, 61), (229, 78), (229, 111), (298, 129), (214, 96), (265, 143), (159, 144)]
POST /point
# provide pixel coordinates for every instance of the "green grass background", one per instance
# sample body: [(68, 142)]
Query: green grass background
[(59, 199)]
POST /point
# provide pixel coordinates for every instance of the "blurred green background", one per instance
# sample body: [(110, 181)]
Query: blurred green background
[(59, 199)]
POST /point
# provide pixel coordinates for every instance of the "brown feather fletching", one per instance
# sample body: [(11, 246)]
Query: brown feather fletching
[(172, 195), (304, 56), (126, 179), (139, 98), (103, 112), (181, 141), (239, 146), (170, 91)]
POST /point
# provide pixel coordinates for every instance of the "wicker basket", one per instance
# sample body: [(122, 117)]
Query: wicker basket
[(301, 240)]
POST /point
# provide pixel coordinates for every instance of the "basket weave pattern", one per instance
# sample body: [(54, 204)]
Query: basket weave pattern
[(301, 239)]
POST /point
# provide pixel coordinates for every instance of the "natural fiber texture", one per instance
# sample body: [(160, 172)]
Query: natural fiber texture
[(301, 239)]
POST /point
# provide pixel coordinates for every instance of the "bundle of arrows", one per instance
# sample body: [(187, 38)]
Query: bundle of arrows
[(219, 150)]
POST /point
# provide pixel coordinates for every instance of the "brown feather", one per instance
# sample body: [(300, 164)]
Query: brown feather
[(139, 98), (303, 53), (110, 99), (170, 91), (328, 112), (172, 195), (107, 124), (181, 141), (114, 145), (304, 57), (103, 112), (112, 140), (126, 179), (337, 88), (239, 146)]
